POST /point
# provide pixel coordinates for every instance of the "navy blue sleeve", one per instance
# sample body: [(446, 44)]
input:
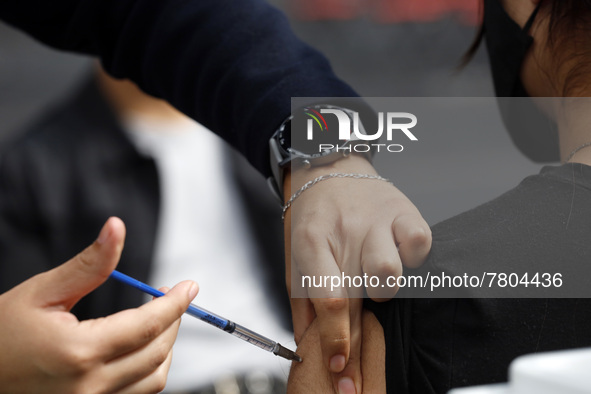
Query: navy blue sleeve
[(232, 65)]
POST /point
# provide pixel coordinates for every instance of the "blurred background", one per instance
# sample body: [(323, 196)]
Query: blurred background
[(383, 48)]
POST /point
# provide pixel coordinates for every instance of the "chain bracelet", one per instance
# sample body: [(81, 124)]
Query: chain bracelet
[(311, 183)]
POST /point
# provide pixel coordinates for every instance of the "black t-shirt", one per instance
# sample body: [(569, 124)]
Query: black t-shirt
[(435, 344)]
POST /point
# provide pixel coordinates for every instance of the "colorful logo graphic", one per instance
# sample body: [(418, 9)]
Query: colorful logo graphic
[(316, 115), (350, 124)]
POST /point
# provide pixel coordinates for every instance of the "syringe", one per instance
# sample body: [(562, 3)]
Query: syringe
[(217, 321)]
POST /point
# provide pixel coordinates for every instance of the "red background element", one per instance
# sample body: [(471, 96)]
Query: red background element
[(387, 11)]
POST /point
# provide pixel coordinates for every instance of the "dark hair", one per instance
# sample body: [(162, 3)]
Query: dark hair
[(471, 51), (569, 27)]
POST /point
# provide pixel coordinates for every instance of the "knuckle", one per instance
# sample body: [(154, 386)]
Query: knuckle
[(178, 306), (374, 259), (419, 236), (382, 266), (158, 356), (152, 327), (411, 222), (160, 380), (308, 236), (79, 388), (160, 385), (332, 304), (76, 359), (85, 261), (94, 385), (84, 258), (351, 225), (338, 341)]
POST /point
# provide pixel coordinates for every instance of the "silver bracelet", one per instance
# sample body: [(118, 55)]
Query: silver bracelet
[(311, 183)]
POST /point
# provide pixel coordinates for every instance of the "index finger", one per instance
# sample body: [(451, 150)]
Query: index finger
[(331, 304), (133, 328)]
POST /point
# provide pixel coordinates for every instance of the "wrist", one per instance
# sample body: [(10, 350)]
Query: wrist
[(296, 146), (354, 163)]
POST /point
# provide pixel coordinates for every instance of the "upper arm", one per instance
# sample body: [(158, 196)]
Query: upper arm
[(311, 376)]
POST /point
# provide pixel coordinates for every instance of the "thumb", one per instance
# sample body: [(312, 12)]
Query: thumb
[(65, 285)]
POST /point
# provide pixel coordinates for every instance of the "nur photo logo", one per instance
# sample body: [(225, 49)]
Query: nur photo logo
[(326, 125)]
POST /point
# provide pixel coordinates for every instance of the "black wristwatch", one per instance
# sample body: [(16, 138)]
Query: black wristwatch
[(310, 138)]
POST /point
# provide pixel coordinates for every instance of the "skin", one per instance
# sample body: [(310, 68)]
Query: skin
[(542, 76), (308, 377), (328, 232), (46, 349), (126, 98)]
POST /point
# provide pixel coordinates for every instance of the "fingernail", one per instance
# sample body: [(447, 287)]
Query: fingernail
[(346, 386), (193, 290), (104, 234), (337, 363)]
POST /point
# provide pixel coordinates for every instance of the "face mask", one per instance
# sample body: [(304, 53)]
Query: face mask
[(534, 134)]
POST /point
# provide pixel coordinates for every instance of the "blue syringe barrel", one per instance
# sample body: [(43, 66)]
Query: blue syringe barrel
[(209, 317)]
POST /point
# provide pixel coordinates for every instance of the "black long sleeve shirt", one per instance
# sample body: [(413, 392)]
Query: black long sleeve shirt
[(232, 65)]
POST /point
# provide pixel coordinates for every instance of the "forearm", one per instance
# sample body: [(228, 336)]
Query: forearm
[(231, 65)]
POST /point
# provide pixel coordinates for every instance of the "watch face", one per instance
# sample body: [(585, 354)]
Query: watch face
[(311, 133)]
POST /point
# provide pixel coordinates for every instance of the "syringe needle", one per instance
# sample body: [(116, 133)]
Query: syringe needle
[(286, 353), (260, 341)]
